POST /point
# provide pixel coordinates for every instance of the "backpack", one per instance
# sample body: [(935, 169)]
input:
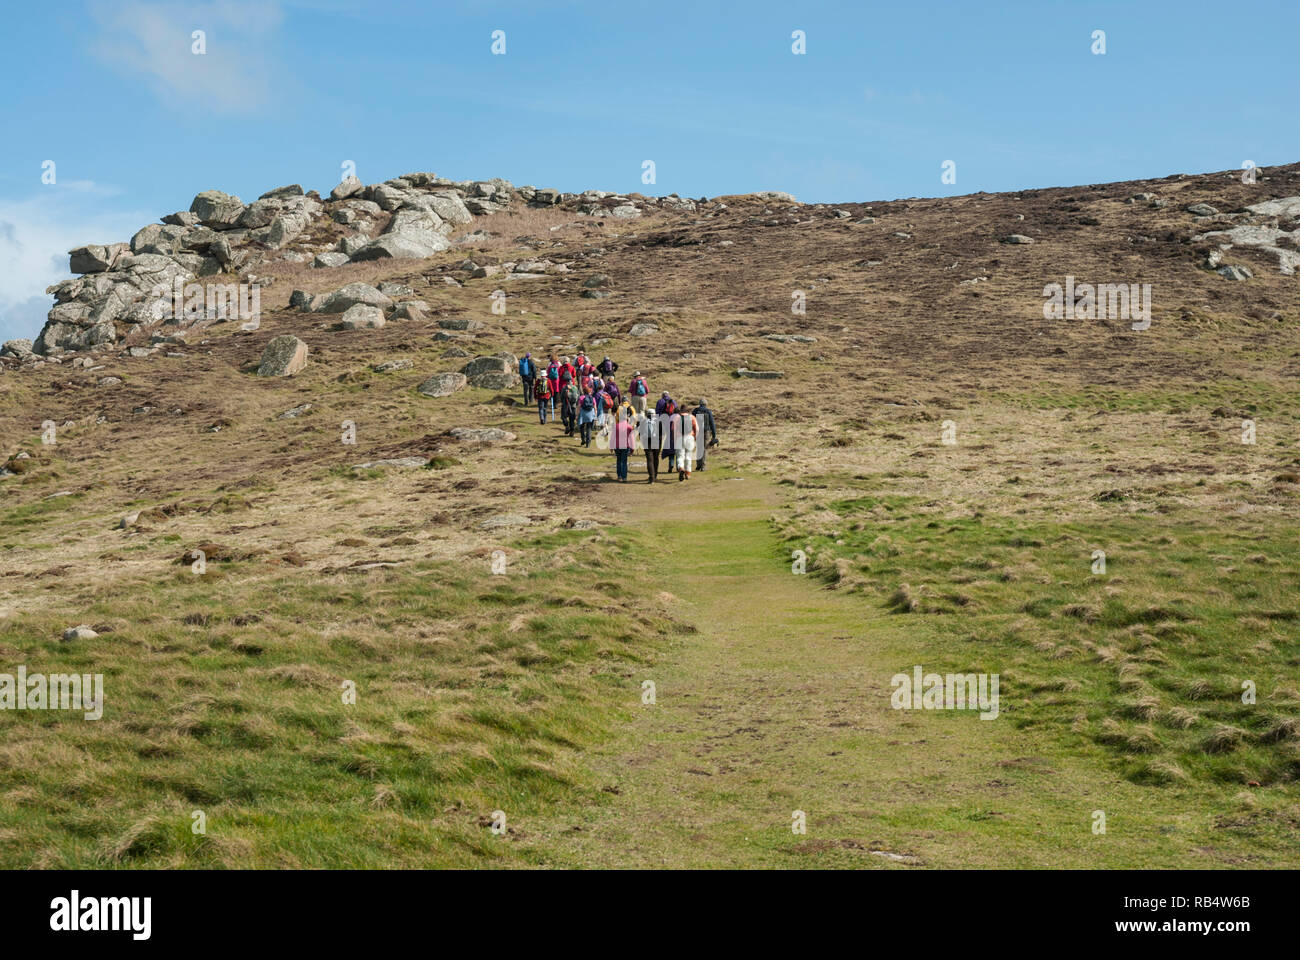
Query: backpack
[(543, 391), (587, 403), (606, 401), (639, 387)]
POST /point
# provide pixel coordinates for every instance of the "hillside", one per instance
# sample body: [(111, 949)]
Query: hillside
[(371, 561)]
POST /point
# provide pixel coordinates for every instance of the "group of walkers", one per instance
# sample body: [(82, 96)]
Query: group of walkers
[(589, 401)]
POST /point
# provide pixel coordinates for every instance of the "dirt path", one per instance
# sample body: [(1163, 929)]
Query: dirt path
[(777, 704), (780, 702)]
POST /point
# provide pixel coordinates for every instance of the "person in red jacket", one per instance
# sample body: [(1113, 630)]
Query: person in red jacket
[(568, 373)]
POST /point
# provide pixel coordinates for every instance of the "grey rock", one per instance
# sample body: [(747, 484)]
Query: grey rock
[(158, 238), (643, 329), (395, 462), (488, 435), (294, 413), (486, 365), (95, 258), (412, 245), (388, 366), (260, 213), (182, 218), (284, 356), (292, 190), (450, 207), (79, 632), (410, 310), (362, 316), (330, 259), (759, 374), (1202, 210), (350, 245), (442, 384), (217, 209), (1018, 238), (459, 323), (350, 295), (349, 186), (1284, 207), (1235, 273), (495, 380), (389, 198)]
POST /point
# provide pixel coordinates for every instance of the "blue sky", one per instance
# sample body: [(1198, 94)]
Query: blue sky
[(287, 91)]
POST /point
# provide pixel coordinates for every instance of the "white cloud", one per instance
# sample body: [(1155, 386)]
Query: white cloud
[(236, 72), (35, 236)]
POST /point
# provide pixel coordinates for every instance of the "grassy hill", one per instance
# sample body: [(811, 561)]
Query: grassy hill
[(522, 692)]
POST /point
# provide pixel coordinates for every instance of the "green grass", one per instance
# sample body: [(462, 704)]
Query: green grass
[(1148, 659), (224, 694)]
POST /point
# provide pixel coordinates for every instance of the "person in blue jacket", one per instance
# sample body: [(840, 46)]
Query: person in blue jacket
[(528, 374)]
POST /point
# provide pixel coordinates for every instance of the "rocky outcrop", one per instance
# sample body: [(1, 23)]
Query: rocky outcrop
[(123, 291)]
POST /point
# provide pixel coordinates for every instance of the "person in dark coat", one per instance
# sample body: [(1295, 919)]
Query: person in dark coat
[(708, 432)]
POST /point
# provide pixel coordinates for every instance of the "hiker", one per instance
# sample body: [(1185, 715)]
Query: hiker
[(648, 434), (607, 367), (637, 389), (553, 375), (622, 441), (612, 389), (527, 374), (569, 407), (708, 432), (606, 404), (664, 403), (598, 395), (667, 439), (545, 402), (567, 373), (586, 416), (685, 432), (580, 360)]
